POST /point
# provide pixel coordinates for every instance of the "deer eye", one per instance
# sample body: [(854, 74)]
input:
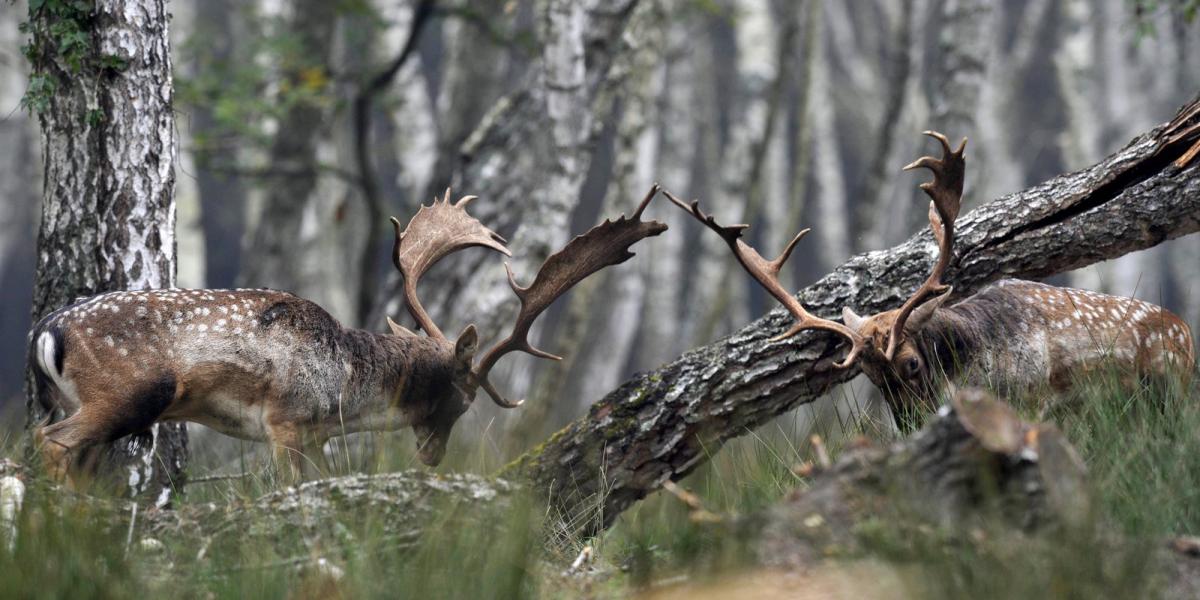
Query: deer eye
[(911, 367)]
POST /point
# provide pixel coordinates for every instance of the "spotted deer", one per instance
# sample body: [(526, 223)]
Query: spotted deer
[(268, 366), (1017, 337)]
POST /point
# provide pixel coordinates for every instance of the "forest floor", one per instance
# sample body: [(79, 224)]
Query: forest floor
[(1142, 452)]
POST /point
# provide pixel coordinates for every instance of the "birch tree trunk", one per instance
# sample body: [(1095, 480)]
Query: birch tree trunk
[(760, 55), (958, 80), (108, 209)]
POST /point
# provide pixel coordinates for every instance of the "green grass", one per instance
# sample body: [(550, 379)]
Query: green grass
[(1142, 451)]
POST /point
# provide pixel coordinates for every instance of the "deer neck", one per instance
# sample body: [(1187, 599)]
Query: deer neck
[(978, 342), (392, 379)]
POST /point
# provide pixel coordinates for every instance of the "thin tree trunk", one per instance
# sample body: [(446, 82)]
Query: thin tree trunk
[(108, 209), (831, 202), (278, 250), (222, 197), (614, 325), (362, 112), (20, 187), (871, 202), (660, 425), (665, 262), (962, 58), (811, 17), (763, 55)]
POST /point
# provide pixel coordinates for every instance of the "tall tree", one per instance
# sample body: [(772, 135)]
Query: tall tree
[(101, 88)]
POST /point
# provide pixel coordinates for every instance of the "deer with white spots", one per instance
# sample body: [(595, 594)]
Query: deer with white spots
[(269, 366), (1016, 337)]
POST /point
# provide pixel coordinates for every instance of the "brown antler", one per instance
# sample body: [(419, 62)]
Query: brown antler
[(434, 232), (767, 274), (604, 245), (946, 193)]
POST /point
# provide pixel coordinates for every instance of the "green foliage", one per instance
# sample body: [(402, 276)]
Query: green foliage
[(250, 87), (1145, 11), (61, 47)]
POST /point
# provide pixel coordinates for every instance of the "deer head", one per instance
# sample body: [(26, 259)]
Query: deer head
[(892, 360), (443, 228), (881, 344)]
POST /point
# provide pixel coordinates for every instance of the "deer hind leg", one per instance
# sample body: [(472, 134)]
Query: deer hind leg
[(72, 448), (67, 445)]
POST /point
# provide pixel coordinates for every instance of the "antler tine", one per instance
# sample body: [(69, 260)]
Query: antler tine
[(767, 274), (945, 193), (604, 245), (435, 231)]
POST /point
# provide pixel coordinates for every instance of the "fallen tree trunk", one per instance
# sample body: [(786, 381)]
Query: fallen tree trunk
[(660, 425)]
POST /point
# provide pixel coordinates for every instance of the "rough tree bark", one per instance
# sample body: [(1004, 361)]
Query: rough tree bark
[(108, 207), (660, 425)]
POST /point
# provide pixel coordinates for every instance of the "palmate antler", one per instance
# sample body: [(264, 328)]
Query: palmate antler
[(767, 274), (604, 245), (945, 192), (434, 232)]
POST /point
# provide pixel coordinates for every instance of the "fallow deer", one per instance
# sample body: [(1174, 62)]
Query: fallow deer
[(1013, 336), (268, 366)]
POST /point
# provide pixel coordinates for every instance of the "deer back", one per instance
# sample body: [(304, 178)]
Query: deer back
[(1020, 335)]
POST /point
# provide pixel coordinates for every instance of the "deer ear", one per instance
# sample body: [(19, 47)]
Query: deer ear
[(398, 329), (921, 314), (851, 319), (466, 345)]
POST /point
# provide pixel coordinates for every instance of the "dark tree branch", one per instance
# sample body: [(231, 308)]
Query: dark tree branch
[(660, 425), (366, 168)]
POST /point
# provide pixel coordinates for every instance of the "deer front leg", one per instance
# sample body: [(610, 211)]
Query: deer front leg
[(295, 450), (287, 452)]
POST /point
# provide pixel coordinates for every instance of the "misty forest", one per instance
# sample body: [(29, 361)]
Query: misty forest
[(599, 298)]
